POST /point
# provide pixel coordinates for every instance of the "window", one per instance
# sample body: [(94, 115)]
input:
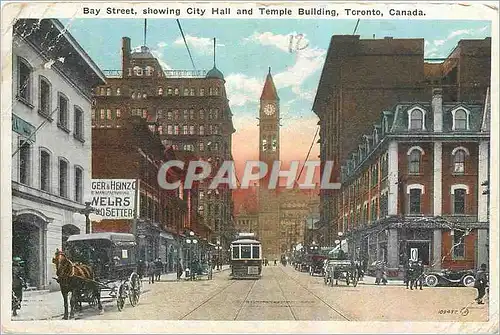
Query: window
[(170, 129), (108, 114), (63, 111), (149, 71), (216, 91), (246, 251), (216, 114), (373, 210), (137, 71), (458, 244), (169, 91), (185, 130), (415, 194), (188, 147), (24, 162), (63, 178), (145, 113), (118, 91), (160, 130), (102, 91), (202, 130), (416, 120), (44, 96), (202, 114), (210, 91), (255, 251), (169, 116), (459, 201), (414, 162), (176, 115), (176, 91), (236, 251), (78, 131), (384, 166), (210, 114), (185, 114), (191, 130), (176, 129), (93, 114), (118, 113), (374, 179), (78, 184), (202, 92), (108, 91), (45, 171), (191, 92), (460, 120), (191, 114), (160, 90), (103, 115), (24, 79), (202, 148), (459, 162), (186, 91), (133, 95)]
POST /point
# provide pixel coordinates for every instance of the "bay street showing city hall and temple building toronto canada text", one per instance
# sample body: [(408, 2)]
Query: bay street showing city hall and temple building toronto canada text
[(251, 167)]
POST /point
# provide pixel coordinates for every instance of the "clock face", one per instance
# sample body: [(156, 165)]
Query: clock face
[(269, 109)]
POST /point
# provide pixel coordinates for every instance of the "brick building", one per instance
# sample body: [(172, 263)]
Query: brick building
[(413, 182), (362, 77), (132, 151), (188, 110)]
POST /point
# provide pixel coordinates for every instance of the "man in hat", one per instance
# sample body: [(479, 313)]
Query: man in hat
[(481, 283), (18, 281)]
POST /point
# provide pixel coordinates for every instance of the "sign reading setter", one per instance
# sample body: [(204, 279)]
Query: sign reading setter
[(114, 198)]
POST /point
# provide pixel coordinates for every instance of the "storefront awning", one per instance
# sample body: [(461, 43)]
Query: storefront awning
[(167, 236)]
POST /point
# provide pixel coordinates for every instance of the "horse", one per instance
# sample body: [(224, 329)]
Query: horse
[(74, 278)]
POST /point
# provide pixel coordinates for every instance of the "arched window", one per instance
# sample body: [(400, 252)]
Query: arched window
[(186, 91), (202, 148), (414, 158), (416, 119), (44, 96), (63, 177), (108, 91), (176, 91), (460, 120), (191, 130), (160, 90), (149, 71), (202, 114), (137, 71), (169, 115), (202, 130), (78, 121), (459, 161), (24, 79), (118, 91), (45, 170), (78, 184)]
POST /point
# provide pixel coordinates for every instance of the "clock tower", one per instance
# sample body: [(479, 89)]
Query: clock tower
[(269, 152), (269, 134)]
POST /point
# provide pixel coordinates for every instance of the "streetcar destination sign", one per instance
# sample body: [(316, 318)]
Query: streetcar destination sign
[(113, 198)]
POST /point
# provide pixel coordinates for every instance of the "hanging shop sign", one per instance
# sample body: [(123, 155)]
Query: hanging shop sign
[(114, 198)]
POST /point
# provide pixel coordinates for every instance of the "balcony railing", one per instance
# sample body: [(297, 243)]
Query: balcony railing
[(167, 73)]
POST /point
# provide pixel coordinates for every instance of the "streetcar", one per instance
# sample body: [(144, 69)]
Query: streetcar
[(246, 257)]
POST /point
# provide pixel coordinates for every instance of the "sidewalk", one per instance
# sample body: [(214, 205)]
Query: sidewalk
[(369, 280), (46, 305)]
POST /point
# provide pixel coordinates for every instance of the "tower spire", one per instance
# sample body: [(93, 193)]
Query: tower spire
[(269, 70), (145, 30)]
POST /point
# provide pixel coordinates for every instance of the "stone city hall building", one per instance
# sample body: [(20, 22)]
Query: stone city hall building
[(188, 110), (412, 187), (362, 77)]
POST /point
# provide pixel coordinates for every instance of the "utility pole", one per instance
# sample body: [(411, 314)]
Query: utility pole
[(402, 209)]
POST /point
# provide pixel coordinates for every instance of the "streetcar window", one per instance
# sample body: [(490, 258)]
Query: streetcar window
[(255, 251), (236, 252), (246, 251)]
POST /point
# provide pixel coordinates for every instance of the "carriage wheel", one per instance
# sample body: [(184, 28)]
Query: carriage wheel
[(120, 300), (135, 289)]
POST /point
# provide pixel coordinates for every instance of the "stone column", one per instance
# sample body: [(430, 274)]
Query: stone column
[(393, 175), (436, 249), (392, 249), (438, 178), (482, 175), (482, 248)]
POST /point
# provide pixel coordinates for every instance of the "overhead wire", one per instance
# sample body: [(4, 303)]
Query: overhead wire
[(185, 43)]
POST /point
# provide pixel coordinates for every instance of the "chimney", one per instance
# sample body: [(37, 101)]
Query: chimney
[(125, 55), (437, 109)]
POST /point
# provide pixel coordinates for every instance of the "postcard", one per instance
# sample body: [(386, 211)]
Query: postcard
[(249, 167)]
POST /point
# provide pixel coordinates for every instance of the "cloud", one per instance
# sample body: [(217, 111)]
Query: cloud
[(436, 51), (202, 45), (162, 45), (281, 42), (242, 89)]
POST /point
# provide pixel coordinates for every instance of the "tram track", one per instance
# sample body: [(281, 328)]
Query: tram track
[(206, 301), (336, 309), (245, 300), (284, 297)]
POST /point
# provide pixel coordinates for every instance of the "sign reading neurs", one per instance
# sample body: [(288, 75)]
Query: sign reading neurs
[(114, 198)]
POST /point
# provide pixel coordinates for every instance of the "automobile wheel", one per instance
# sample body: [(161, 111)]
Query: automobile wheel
[(468, 280), (431, 280)]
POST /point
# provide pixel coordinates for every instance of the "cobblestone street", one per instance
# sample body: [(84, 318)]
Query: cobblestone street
[(281, 294)]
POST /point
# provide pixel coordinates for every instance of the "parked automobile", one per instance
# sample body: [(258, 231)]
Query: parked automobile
[(448, 277)]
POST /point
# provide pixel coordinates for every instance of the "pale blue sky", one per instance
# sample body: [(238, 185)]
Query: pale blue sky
[(248, 47)]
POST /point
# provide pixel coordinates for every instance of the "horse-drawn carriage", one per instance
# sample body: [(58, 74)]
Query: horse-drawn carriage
[(340, 267), (96, 263)]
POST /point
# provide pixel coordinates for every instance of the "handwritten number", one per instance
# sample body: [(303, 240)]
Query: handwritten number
[(298, 39)]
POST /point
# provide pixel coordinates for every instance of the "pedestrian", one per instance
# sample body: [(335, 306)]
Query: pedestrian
[(179, 269), (158, 269), (481, 283), (275, 262), (151, 272), (18, 283), (419, 274), (407, 273), (141, 269)]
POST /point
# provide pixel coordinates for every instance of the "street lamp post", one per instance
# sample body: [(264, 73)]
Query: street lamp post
[(219, 249), (87, 211), (191, 241)]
